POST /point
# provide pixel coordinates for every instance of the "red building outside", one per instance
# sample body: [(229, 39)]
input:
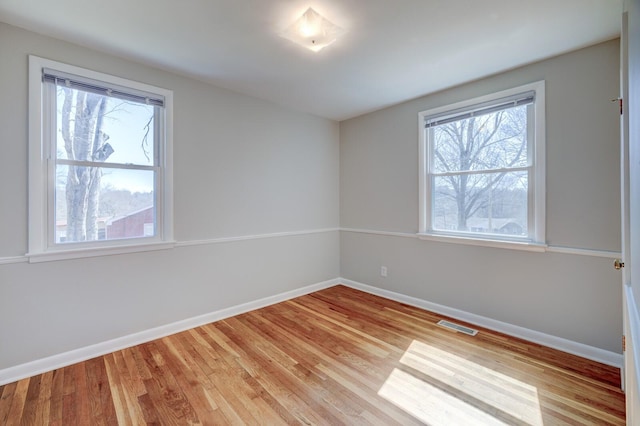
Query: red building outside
[(137, 224)]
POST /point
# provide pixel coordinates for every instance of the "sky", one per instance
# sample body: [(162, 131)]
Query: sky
[(124, 123)]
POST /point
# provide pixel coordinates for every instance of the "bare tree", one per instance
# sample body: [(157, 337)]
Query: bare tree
[(82, 118), (465, 148)]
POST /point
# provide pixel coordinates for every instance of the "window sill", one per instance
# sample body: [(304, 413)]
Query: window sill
[(486, 242), (54, 255)]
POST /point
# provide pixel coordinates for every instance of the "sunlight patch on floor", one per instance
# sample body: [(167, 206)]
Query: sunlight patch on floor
[(441, 388)]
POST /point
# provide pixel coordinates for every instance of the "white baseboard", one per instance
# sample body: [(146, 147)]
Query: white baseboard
[(29, 369), (53, 362), (575, 348)]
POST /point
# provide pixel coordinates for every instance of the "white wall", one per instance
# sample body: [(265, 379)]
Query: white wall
[(247, 167), (575, 297), (242, 167)]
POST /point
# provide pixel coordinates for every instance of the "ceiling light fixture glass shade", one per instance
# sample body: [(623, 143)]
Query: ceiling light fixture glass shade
[(312, 31)]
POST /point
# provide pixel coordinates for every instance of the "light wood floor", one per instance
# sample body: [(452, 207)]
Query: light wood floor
[(338, 356)]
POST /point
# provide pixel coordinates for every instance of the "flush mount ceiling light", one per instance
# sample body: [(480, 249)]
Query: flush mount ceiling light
[(312, 31)]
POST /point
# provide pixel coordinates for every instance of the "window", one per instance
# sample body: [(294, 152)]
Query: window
[(482, 170), (100, 163)]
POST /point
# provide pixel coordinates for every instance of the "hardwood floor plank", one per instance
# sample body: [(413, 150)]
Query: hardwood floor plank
[(101, 401), (290, 342), (125, 413), (128, 384), (209, 376), (261, 355), (32, 397), (191, 384), (81, 394), (6, 399), (236, 373), (128, 366), (285, 336), (163, 389), (57, 394), (336, 356), (16, 410), (43, 405)]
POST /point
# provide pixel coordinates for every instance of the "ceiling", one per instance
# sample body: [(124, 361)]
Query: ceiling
[(393, 50)]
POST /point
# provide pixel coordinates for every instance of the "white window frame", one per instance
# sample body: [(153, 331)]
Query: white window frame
[(42, 179), (535, 241)]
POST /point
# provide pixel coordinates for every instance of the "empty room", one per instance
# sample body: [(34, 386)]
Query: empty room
[(320, 212)]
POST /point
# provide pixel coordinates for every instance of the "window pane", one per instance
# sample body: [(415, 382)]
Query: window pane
[(93, 127), (486, 203), (94, 203), (491, 141)]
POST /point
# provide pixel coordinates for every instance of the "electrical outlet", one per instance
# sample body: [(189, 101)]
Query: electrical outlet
[(383, 271)]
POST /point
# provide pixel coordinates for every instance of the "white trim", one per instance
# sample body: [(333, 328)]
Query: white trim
[(254, 237), (29, 369), (96, 251), (486, 242), (536, 183), (45, 257), (115, 250), (503, 244), (375, 232), (584, 252), (632, 354), (37, 175), (575, 348), (13, 259), (424, 183), (41, 239), (540, 171)]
